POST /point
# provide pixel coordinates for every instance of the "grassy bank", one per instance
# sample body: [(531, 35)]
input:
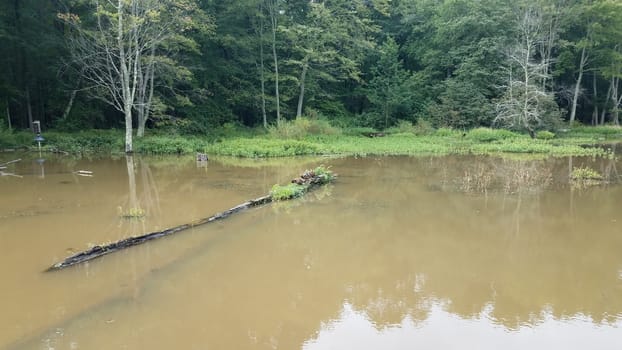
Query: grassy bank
[(348, 142)]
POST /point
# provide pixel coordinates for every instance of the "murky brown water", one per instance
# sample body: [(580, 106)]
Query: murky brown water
[(400, 253)]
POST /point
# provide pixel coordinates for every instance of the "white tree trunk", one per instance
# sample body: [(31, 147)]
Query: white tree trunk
[(8, 115), (595, 96), (615, 99), (577, 86), (603, 112), (301, 96), (274, 12), (72, 97), (262, 76), (29, 107), (128, 101)]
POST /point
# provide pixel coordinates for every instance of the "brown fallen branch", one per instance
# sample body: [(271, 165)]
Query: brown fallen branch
[(307, 181), (3, 165)]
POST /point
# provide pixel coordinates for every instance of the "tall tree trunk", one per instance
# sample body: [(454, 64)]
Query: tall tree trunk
[(29, 107), (603, 112), (146, 97), (595, 98), (301, 96), (125, 80), (8, 115), (262, 74), (615, 82), (72, 97), (577, 87), (274, 24), (386, 113)]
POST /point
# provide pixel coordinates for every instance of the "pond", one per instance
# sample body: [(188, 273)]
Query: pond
[(399, 253)]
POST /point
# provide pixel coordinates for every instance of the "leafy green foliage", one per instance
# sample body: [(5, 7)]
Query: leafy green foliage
[(545, 135), (324, 174), (389, 91), (302, 127), (286, 192), (264, 148)]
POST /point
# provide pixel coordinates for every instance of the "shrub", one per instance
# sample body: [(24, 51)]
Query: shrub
[(358, 131), (402, 127), (168, 145), (423, 127), (261, 147), (90, 141), (302, 127), (544, 135), (444, 132), (489, 135)]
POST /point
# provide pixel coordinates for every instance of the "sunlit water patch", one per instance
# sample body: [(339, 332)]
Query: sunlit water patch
[(444, 330)]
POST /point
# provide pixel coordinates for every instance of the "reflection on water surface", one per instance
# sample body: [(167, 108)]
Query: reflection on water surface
[(400, 253)]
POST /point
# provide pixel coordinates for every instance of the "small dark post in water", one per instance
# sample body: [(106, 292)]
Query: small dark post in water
[(202, 157), (36, 128)]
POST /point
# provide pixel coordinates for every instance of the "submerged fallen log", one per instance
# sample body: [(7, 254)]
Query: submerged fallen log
[(307, 181), (3, 165)]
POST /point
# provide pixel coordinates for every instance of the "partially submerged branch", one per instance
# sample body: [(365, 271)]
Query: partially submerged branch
[(307, 181), (3, 167)]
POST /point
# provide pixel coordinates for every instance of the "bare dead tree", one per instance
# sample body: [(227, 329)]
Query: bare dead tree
[(525, 102)]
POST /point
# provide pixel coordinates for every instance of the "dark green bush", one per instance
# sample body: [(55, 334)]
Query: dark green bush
[(489, 135)]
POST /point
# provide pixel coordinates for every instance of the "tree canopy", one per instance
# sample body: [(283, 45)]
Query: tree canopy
[(194, 65)]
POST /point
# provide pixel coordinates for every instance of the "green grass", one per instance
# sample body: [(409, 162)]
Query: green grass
[(402, 144), (307, 139), (601, 133)]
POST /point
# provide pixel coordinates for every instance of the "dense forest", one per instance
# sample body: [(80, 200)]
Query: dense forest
[(193, 65)]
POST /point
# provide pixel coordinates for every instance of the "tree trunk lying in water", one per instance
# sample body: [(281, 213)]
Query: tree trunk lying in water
[(307, 181)]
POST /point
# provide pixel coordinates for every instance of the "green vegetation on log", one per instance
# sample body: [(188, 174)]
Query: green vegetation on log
[(299, 186)]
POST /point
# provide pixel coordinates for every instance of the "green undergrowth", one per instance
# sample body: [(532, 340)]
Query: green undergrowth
[(318, 138), (404, 144), (598, 133)]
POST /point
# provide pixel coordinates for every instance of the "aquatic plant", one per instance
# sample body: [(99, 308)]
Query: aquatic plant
[(324, 174), (131, 213), (585, 173), (582, 177), (288, 191), (299, 186)]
